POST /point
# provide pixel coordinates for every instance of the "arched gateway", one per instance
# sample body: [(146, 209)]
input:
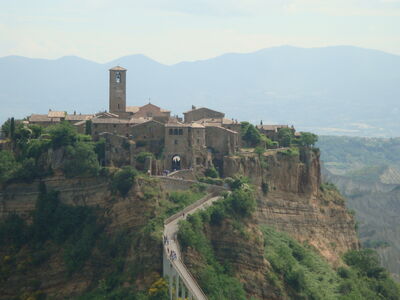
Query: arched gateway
[(176, 162)]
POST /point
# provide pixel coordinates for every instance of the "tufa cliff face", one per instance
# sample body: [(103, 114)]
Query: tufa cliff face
[(124, 217), (295, 203)]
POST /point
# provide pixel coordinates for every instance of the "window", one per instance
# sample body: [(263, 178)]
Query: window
[(171, 131), (198, 141), (180, 131), (175, 131), (118, 105), (117, 77), (114, 125), (176, 142)]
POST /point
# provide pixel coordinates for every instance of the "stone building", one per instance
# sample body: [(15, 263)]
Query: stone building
[(221, 141), (148, 136), (204, 137), (185, 146), (196, 114)]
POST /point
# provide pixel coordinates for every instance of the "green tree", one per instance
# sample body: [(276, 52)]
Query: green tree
[(12, 128), (251, 135), (8, 166), (63, 134), (242, 201), (285, 137), (80, 160), (308, 139), (5, 128), (88, 127), (123, 180), (211, 172), (100, 149)]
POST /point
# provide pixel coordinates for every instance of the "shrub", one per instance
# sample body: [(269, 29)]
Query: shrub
[(88, 127), (285, 137), (242, 202), (343, 272), (142, 156), (100, 150), (250, 134), (80, 160), (211, 172), (8, 166), (122, 180), (63, 134), (366, 261)]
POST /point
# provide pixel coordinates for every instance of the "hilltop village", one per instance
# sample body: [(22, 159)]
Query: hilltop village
[(203, 137)]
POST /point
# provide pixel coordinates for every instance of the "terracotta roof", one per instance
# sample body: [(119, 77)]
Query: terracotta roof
[(105, 114), (138, 120), (80, 123), (196, 125), (118, 68), (220, 127), (39, 118), (271, 127), (78, 117), (110, 121), (176, 124), (147, 121), (56, 114), (132, 109), (200, 108)]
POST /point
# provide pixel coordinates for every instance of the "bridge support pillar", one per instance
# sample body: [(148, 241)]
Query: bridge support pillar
[(177, 287), (183, 292)]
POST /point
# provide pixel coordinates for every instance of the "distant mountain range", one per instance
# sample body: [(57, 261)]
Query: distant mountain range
[(333, 90)]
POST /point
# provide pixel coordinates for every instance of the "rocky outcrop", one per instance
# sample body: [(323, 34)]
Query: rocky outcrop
[(294, 202)]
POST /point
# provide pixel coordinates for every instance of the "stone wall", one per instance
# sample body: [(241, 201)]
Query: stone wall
[(21, 197), (222, 141)]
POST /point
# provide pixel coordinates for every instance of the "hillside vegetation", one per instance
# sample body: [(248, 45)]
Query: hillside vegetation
[(293, 271)]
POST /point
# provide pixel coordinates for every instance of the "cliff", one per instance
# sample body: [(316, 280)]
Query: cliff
[(294, 202)]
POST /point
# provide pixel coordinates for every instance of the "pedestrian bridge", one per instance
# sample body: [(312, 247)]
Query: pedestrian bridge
[(182, 285)]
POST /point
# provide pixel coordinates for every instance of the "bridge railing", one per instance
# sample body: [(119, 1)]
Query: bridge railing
[(191, 207), (183, 277)]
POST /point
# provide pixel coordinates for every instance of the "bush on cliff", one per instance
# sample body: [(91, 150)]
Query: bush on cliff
[(123, 179), (8, 166), (80, 160), (211, 172)]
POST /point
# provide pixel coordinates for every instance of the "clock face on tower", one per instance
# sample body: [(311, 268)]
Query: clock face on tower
[(117, 77)]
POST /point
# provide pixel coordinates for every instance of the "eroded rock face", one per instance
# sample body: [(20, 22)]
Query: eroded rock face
[(129, 214), (295, 203)]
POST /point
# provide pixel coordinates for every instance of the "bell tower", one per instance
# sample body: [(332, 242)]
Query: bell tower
[(117, 90)]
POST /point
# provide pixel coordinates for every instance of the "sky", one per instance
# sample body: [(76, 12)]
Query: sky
[(171, 31)]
